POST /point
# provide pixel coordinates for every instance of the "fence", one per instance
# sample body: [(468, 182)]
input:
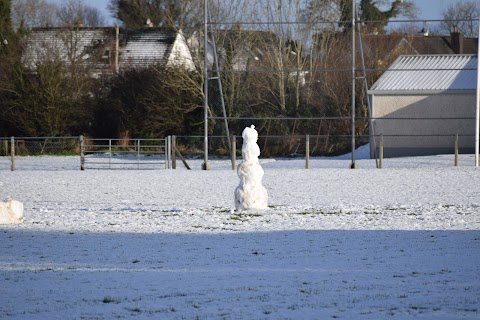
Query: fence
[(24, 152), (36, 153), (124, 153), (77, 153)]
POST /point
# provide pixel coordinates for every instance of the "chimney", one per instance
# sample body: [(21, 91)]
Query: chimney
[(424, 32), (149, 23), (457, 40), (78, 23)]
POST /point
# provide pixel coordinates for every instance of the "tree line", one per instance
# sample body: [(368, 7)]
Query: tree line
[(297, 70)]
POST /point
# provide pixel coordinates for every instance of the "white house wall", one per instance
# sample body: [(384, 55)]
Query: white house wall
[(180, 54), (396, 117)]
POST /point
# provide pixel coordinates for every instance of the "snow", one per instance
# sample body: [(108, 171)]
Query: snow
[(401, 242)]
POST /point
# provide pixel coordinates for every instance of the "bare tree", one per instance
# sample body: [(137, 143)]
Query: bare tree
[(148, 102), (45, 92), (33, 13), (48, 102), (464, 14), (41, 13), (73, 13)]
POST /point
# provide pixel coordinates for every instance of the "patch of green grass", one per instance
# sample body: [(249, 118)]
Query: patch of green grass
[(303, 213), (315, 212), (244, 216), (110, 300)]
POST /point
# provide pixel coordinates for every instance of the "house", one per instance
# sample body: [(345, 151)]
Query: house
[(422, 102), (106, 50), (455, 43)]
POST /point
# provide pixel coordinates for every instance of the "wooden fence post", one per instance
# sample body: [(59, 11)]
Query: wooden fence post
[(169, 152), (12, 153), (307, 151), (234, 152), (109, 153), (456, 151), (82, 153), (380, 161), (174, 148), (138, 153), (5, 142)]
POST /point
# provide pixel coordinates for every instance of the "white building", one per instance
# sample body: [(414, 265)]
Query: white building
[(104, 50), (422, 102)]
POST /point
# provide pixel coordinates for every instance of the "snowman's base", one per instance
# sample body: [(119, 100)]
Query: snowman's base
[(252, 199)]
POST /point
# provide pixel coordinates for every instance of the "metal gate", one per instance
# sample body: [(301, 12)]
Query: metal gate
[(124, 153)]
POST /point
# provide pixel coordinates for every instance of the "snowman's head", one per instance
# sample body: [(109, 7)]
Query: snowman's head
[(249, 134)]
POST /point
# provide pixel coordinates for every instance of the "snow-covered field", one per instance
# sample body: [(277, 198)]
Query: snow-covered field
[(401, 242)]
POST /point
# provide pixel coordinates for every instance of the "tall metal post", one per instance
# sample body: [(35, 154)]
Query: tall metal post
[(205, 86), (353, 83), (477, 110), (369, 103), (218, 77), (117, 41)]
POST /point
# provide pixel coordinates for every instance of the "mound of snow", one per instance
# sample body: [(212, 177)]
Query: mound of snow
[(11, 211)]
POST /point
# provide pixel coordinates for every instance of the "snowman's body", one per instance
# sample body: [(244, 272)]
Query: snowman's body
[(250, 193)]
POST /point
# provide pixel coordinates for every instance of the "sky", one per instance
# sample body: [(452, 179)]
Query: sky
[(428, 9), (432, 9)]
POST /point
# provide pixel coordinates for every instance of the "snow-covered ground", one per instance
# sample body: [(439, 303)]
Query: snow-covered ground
[(400, 242)]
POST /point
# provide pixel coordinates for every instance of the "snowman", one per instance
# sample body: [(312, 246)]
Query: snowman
[(250, 193)]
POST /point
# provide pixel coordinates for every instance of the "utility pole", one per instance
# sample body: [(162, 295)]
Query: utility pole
[(117, 35), (353, 165), (205, 86), (477, 110)]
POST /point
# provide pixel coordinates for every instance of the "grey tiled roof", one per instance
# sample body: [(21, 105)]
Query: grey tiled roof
[(147, 46), (95, 47)]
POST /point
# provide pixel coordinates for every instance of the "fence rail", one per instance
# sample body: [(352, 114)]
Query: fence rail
[(32, 153)]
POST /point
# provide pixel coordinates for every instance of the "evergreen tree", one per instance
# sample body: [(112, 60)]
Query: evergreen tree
[(375, 19), (372, 17), (6, 30), (136, 13)]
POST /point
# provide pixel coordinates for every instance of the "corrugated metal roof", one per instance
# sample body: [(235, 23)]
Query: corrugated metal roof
[(429, 73)]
